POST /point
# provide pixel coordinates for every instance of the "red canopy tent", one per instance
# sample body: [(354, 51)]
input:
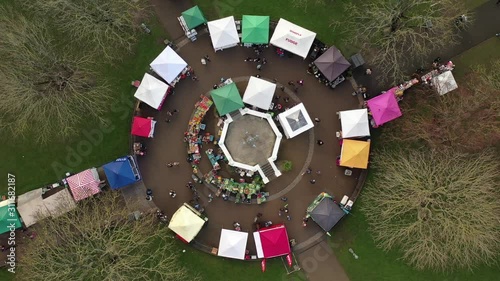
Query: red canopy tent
[(143, 127), (272, 241)]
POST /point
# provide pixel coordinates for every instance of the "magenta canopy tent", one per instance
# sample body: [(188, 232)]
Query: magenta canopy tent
[(384, 108)]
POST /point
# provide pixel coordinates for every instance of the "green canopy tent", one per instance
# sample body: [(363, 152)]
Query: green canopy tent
[(193, 17), (227, 99), (255, 29), (8, 217)]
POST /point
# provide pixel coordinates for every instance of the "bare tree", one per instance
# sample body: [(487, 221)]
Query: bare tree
[(397, 34), (465, 119), (100, 240), (105, 26), (440, 209), (305, 3), (45, 90)]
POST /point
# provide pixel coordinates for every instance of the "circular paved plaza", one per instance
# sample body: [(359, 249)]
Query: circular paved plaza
[(168, 146)]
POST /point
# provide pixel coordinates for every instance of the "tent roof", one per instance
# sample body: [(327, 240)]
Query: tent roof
[(120, 173), (84, 184), (292, 38), (168, 64), (143, 127), (326, 213), (384, 108), (59, 203), (31, 207), (232, 244), (272, 242), (295, 121), (255, 29), (186, 223), (151, 91), (223, 33), (8, 215), (355, 123), (445, 82), (227, 99), (332, 63), (193, 17), (355, 154), (259, 93)]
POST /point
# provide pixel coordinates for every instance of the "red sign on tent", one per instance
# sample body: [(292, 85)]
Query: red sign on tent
[(263, 265), (289, 259), (143, 127)]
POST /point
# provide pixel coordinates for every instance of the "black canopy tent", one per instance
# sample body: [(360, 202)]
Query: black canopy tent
[(325, 212), (332, 63)]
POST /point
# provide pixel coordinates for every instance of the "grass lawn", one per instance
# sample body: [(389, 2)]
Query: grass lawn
[(471, 4), (210, 267), (483, 53), (33, 164)]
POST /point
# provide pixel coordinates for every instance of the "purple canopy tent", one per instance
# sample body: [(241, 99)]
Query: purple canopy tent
[(332, 63), (384, 108)]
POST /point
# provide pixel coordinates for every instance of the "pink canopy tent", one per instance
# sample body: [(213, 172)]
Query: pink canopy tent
[(143, 127), (272, 242), (384, 107), (84, 184)]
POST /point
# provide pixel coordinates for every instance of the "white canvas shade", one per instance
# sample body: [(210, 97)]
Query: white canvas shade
[(32, 207), (293, 38), (232, 244), (295, 121), (354, 123), (152, 91), (444, 82), (223, 33), (186, 223), (168, 65), (259, 93)]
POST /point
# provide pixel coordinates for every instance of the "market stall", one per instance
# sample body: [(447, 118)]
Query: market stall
[(169, 66), (293, 38), (444, 82), (355, 154), (33, 207), (122, 172), (193, 17), (152, 91), (332, 64), (187, 222), (195, 126), (384, 108), (227, 99), (9, 216), (143, 127), (255, 29), (259, 93), (223, 33), (325, 212), (272, 242), (232, 244), (354, 123), (84, 184), (295, 121)]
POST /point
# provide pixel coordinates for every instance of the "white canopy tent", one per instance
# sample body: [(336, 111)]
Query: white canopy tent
[(293, 38), (168, 65), (152, 91), (445, 82), (223, 33), (295, 121), (32, 207), (354, 123), (232, 244), (259, 93)]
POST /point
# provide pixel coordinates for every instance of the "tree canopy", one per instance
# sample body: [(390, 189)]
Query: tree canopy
[(439, 208), (100, 241), (398, 34)]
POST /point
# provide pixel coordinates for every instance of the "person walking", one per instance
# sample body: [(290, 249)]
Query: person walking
[(259, 66), (320, 142), (207, 58), (282, 88), (290, 83), (313, 181), (300, 82), (170, 165), (317, 120), (172, 193), (203, 61)]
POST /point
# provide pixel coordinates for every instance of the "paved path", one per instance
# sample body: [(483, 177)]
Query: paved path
[(320, 263)]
